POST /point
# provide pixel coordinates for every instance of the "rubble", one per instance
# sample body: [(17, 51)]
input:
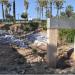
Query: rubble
[(22, 60), (10, 39)]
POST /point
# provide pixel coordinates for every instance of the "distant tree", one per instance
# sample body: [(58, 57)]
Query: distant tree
[(38, 11), (3, 2), (42, 5), (69, 10), (14, 10), (8, 9), (73, 15), (63, 15), (48, 14), (50, 5), (24, 15), (26, 4), (9, 17), (37, 8), (59, 4)]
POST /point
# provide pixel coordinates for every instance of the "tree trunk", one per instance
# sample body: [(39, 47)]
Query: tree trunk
[(42, 12), (2, 11), (6, 11), (14, 9), (57, 12), (46, 11), (51, 9)]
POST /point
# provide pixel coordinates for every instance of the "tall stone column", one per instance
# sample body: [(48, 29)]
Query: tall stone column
[(73, 55), (52, 34)]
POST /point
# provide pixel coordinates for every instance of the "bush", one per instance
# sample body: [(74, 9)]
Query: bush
[(34, 51), (44, 26), (24, 15), (33, 26), (68, 34)]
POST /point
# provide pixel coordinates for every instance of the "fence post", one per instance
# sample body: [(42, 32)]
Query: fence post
[(52, 34)]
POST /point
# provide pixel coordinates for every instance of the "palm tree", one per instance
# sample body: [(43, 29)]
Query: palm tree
[(2, 11), (26, 4), (69, 10), (24, 15), (8, 7), (48, 14), (14, 10), (50, 6), (63, 15), (38, 12), (37, 8), (42, 5), (59, 4), (7, 14), (3, 2)]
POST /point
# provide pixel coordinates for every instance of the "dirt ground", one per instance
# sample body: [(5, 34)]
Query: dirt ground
[(22, 61), (19, 61)]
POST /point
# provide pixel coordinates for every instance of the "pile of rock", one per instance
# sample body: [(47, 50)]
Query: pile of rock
[(38, 40), (11, 40)]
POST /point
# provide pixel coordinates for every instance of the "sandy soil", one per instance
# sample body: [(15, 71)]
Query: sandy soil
[(22, 61)]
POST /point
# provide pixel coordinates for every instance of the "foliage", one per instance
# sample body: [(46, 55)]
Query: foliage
[(34, 51), (48, 14), (26, 4), (62, 14), (43, 25), (58, 3), (33, 26), (68, 34), (73, 15), (24, 15), (69, 10), (42, 5), (4, 1)]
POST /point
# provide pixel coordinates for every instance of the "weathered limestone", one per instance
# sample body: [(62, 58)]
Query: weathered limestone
[(52, 35), (62, 23), (73, 57)]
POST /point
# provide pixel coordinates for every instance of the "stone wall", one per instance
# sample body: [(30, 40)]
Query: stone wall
[(62, 23)]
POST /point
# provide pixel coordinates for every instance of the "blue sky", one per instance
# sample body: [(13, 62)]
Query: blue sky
[(31, 11)]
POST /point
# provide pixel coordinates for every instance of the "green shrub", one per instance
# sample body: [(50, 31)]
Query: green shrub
[(24, 15), (33, 25), (43, 25), (34, 51), (68, 34)]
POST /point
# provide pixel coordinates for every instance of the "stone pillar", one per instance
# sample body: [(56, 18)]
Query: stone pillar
[(73, 57), (52, 35)]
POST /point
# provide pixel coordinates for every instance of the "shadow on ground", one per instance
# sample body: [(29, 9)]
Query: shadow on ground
[(11, 62), (65, 61)]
